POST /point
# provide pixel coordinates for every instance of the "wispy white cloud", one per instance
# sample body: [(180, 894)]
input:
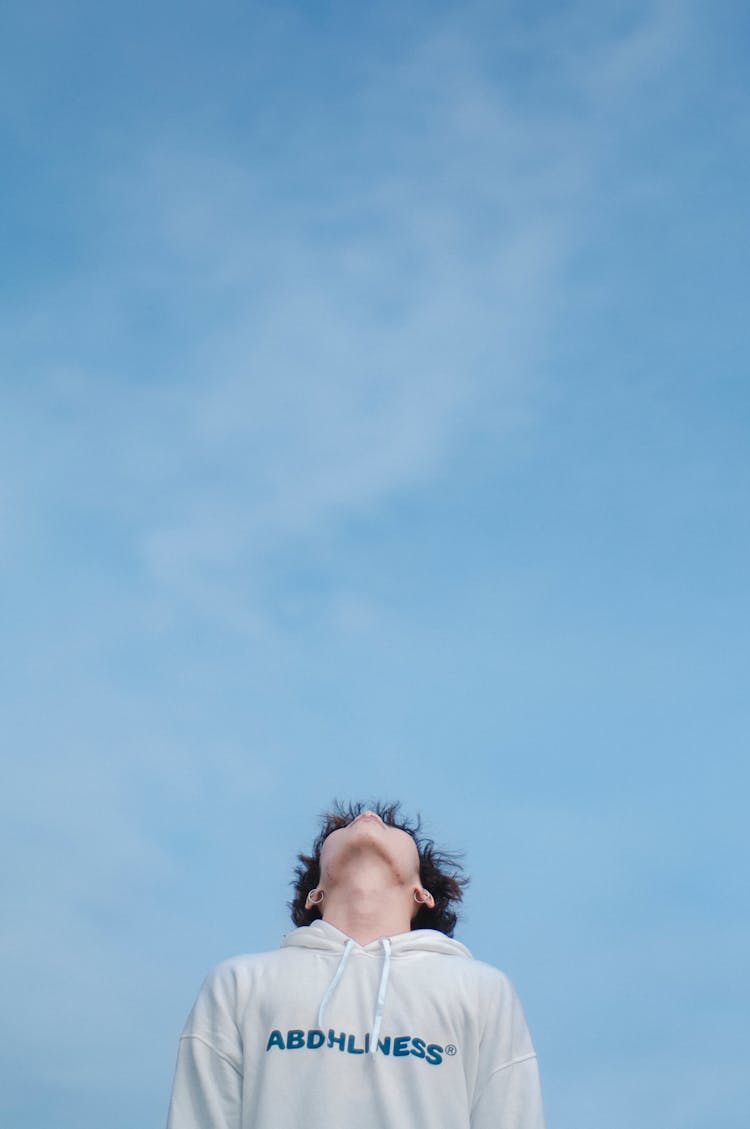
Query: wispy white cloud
[(307, 368)]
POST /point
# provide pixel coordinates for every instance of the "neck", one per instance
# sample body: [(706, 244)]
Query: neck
[(366, 906)]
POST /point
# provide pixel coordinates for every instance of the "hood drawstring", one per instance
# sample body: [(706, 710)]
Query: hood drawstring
[(334, 983), (383, 988), (377, 1018)]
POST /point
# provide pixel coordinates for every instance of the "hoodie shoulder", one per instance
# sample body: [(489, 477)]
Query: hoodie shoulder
[(242, 962), (232, 976)]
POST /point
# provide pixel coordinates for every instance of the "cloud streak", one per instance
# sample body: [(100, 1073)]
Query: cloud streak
[(230, 369)]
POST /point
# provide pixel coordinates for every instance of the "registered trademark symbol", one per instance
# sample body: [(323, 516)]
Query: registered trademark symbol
[(451, 1050)]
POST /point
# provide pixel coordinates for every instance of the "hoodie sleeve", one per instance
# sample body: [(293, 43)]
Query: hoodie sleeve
[(511, 1099), (509, 1094), (207, 1087)]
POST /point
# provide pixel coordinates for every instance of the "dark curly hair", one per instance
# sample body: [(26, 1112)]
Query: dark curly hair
[(440, 872)]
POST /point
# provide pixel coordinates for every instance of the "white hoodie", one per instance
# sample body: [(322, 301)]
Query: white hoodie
[(408, 1032)]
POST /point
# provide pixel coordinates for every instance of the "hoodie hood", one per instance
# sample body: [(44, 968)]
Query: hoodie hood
[(324, 937)]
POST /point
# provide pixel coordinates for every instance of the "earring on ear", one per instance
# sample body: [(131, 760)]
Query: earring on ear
[(311, 901)]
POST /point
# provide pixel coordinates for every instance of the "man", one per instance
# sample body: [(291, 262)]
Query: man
[(369, 1016)]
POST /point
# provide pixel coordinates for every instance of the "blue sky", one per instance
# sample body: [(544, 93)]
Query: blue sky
[(375, 423)]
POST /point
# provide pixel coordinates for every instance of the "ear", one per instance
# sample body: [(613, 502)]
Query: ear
[(423, 897)]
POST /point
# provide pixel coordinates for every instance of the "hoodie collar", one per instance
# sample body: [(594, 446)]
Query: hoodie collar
[(324, 937)]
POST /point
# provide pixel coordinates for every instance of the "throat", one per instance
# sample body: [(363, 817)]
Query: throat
[(368, 907)]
